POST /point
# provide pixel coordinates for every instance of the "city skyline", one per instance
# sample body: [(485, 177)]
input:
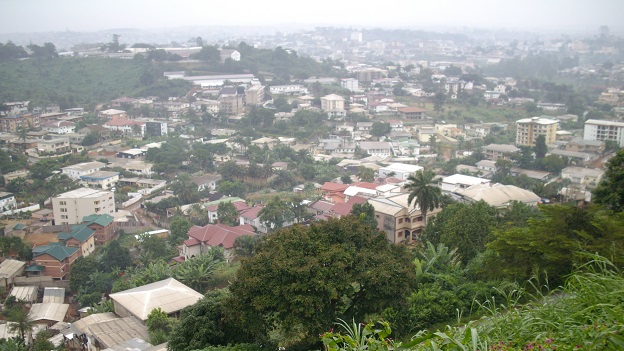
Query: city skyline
[(26, 16)]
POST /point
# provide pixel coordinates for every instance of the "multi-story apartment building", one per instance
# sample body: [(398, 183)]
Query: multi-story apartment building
[(254, 95), (350, 83), (293, 89), (231, 105), (333, 105), (71, 207), (528, 129), (604, 130), (13, 123)]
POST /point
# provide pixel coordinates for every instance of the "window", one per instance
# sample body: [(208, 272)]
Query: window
[(63, 210), (63, 216), (400, 220), (62, 203)]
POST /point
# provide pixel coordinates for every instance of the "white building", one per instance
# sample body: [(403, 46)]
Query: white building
[(461, 181), (71, 207), (78, 170), (333, 105), (59, 127), (100, 179), (7, 201), (293, 89), (376, 148), (588, 177), (604, 130), (398, 170), (350, 83)]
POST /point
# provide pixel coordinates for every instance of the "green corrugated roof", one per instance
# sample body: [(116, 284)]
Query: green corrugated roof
[(35, 268), (19, 226), (102, 219), (79, 231), (56, 250)]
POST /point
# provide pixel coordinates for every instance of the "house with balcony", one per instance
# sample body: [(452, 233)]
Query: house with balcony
[(56, 146), (401, 222)]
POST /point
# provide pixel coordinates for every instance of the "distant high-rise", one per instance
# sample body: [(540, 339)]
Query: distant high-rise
[(528, 129), (356, 36)]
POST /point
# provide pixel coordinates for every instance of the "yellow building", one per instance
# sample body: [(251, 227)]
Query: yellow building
[(528, 129)]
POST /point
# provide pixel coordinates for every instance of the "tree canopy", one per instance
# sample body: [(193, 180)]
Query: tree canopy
[(610, 191), (302, 279)]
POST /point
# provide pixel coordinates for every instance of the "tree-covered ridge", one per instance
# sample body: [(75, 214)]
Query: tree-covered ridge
[(71, 82)]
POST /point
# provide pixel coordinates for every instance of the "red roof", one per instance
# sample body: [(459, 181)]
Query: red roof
[(241, 206), (411, 109), (179, 259), (333, 187), (344, 209), (365, 185), (252, 213), (218, 234), (321, 205), (191, 242)]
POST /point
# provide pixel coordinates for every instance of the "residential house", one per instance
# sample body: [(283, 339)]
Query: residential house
[(104, 333), (588, 146), (54, 146), (103, 225), (131, 153), (493, 152), (400, 221), (113, 114), (460, 181), (169, 295), (200, 239), (497, 195), (579, 158), (54, 260), (48, 313), (376, 148), (7, 201), (81, 237), (487, 165), (334, 192), (251, 216), (398, 170), (206, 182), (59, 127), (231, 54), (76, 171), (71, 207), (126, 126), (412, 113), (588, 177), (100, 179)]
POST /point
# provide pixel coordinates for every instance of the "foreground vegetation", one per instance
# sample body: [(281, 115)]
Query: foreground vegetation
[(586, 313)]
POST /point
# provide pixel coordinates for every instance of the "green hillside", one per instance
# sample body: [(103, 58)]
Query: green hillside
[(73, 82)]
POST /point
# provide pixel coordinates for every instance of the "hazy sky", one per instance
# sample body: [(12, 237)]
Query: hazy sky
[(92, 15)]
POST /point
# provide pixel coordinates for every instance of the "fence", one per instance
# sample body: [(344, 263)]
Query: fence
[(42, 282)]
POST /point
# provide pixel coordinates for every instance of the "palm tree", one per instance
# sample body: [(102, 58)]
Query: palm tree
[(20, 323), (424, 192)]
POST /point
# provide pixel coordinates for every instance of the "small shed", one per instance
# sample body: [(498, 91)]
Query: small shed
[(10, 269), (27, 294), (48, 313), (54, 295)]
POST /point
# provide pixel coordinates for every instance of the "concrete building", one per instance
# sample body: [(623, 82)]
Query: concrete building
[(604, 130), (254, 95), (350, 83), (78, 170), (100, 179), (497, 195), (14, 123), (293, 89), (72, 206), (113, 114), (59, 127), (400, 221), (493, 152), (333, 105), (588, 177), (54, 146), (528, 129), (231, 104), (460, 181), (376, 148), (7, 201), (398, 170), (413, 113)]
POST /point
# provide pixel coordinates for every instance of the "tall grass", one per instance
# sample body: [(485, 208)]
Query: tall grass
[(586, 313)]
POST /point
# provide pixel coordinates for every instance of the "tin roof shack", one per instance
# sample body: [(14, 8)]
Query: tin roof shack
[(10, 269)]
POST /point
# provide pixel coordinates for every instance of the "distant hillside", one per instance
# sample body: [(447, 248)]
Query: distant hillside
[(73, 82)]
